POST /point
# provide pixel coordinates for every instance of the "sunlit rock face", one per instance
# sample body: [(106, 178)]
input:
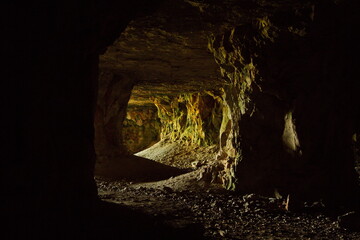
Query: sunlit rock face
[(193, 119), (272, 83)]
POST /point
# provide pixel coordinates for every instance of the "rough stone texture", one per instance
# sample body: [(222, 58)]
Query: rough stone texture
[(166, 48), (306, 68), (216, 212), (286, 98), (113, 96), (292, 128), (141, 127), (113, 159), (160, 55), (192, 119)]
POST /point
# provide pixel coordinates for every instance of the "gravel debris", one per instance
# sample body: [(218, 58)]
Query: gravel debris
[(225, 215)]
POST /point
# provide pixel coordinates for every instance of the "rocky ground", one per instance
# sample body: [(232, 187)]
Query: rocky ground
[(180, 155), (216, 214), (197, 204)]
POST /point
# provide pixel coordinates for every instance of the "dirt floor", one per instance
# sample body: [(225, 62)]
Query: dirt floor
[(214, 213), (179, 155), (193, 204)]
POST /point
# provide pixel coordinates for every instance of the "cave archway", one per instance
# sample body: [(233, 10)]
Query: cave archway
[(187, 125), (264, 137), (57, 45), (171, 66)]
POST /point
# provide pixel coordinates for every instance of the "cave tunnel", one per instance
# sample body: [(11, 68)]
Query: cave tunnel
[(254, 108), (175, 128)]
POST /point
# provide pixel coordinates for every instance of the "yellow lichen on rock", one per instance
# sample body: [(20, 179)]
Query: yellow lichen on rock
[(191, 118)]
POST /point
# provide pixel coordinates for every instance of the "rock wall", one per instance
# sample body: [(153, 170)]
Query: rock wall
[(141, 128), (285, 108), (190, 118), (113, 96), (289, 104)]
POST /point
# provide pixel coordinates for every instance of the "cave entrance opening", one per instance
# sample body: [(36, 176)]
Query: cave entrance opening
[(159, 94), (175, 128)]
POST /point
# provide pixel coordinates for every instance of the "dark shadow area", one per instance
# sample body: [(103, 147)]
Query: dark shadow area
[(113, 221), (102, 221), (134, 168)]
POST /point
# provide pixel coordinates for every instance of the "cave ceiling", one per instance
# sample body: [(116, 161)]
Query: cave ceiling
[(166, 52)]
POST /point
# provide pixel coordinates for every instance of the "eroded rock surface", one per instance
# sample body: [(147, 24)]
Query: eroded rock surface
[(141, 127), (268, 82)]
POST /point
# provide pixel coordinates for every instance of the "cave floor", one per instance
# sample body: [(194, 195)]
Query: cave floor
[(180, 155), (216, 214)]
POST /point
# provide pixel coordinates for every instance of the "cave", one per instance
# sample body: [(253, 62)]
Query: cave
[(176, 128), (253, 104)]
